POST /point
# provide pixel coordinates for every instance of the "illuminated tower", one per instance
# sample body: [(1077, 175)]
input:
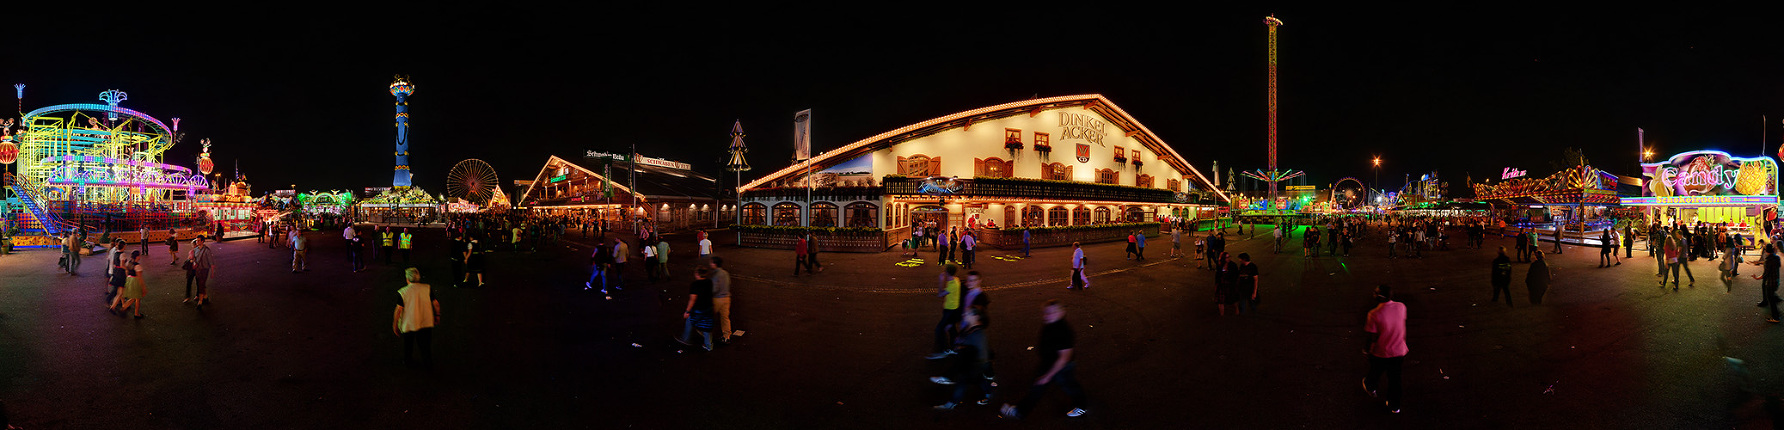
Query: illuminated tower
[(402, 89), (1274, 175), (1272, 23)]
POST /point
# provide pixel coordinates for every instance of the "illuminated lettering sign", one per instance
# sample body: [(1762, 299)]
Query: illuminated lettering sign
[(1710, 173), (1511, 172), (1299, 187), (1082, 126)]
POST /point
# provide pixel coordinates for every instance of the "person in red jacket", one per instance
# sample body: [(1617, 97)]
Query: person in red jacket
[(799, 256)]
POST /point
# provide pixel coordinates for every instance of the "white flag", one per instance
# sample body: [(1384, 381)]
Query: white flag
[(802, 135)]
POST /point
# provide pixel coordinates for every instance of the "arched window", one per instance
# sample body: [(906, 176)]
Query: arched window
[(1143, 180), (1056, 172), (1056, 216), (1139, 214), (1081, 215), (863, 215), (823, 214), (755, 214), (1031, 216), (1102, 215), (1106, 176), (786, 214)]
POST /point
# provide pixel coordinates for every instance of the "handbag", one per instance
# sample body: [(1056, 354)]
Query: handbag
[(187, 265)]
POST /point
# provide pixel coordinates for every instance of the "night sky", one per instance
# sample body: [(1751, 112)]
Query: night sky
[(301, 98)]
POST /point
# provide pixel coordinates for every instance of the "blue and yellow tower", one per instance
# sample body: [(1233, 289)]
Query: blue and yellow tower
[(402, 89)]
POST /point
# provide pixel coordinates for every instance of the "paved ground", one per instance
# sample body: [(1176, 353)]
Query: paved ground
[(842, 349)]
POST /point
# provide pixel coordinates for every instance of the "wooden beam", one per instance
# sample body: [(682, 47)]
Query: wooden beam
[(1033, 112), (968, 125), (1133, 133)]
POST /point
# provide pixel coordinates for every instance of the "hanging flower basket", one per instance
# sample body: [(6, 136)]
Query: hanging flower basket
[(1043, 148)]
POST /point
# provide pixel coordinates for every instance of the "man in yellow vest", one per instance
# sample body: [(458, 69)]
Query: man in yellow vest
[(389, 241), (406, 243)]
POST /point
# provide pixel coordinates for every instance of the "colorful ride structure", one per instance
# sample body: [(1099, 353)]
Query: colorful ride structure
[(98, 167)]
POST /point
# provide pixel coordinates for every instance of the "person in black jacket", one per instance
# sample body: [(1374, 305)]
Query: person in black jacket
[(1502, 277)]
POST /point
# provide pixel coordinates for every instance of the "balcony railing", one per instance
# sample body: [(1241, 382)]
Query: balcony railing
[(1029, 188)]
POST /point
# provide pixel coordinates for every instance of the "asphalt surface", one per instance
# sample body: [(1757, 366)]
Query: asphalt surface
[(843, 348)]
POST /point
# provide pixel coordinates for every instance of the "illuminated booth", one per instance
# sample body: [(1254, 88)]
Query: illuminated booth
[(1711, 187)]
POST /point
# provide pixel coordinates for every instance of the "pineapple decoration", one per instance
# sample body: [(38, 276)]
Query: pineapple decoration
[(9, 152), (1754, 178), (204, 160)]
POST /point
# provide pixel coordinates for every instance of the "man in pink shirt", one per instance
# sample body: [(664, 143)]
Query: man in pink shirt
[(1386, 347)]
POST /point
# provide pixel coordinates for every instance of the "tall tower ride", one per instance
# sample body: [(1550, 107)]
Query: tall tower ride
[(402, 89)]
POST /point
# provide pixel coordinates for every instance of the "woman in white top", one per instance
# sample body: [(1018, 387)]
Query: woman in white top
[(415, 316)]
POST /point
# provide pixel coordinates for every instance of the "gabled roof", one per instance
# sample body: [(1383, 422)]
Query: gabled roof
[(1093, 102), (653, 182)]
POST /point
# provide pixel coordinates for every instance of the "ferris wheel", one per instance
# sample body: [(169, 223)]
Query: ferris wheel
[(1349, 193), (472, 180)]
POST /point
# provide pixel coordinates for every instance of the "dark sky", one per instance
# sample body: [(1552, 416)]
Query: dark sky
[(299, 96)]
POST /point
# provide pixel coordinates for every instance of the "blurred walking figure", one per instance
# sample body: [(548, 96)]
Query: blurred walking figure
[(133, 286), (949, 292), (1056, 365), (698, 316), (970, 367), (1387, 347), (416, 313), (1078, 262)]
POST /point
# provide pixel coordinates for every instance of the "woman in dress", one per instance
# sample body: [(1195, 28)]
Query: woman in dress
[(115, 280), (133, 285)]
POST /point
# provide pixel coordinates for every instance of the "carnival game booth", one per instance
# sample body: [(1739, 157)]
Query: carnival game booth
[(410, 205), (1074, 168), (664, 194), (1577, 200), (1740, 194)]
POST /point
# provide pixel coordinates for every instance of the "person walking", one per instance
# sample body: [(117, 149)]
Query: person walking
[(1130, 245), (1629, 240), (417, 311), (1140, 249), (299, 250), (387, 242), (1025, 243), (1226, 279), (1768, 282), (406, 243), (1058, 366), (967, 245), (1216, 245), (705, 249), (663, 259), (721, 298), (950, 245), (1522, 244), (1685, 258), (697, 317), (1078, 280), (1393, 242), (598, 262), (1248, 285), (116, 280), (616, 275), (473, 255), (1277, 232), (142, 240), (134, 288), (973, 356), (1606, 247), (650, 261), (111, 255), (1537, 279), (1176, 243), (1730, 261), (1201, 250), (799, 262), (811, 255), (949, 292), (1501, 277), (1387, 347), (201, 265)]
